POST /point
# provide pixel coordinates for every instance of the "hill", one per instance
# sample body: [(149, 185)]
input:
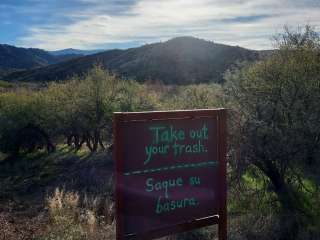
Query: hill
[(12, 57), (71, 51), (180, 60), (16, 58)]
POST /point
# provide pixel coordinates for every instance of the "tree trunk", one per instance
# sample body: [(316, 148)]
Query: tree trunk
[(69, 140), (87, 138), (96, 137), (285, 193), (291, 205), (101, 144)]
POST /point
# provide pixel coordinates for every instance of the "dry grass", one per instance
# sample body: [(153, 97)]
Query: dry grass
[(73, 217), (79, 216)]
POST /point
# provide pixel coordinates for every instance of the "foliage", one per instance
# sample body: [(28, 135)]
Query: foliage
[(21, 122), (275, 121), (80, 110), (199, 96), (5, 85)]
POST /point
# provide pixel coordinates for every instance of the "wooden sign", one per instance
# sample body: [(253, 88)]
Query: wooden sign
[(170, 172)]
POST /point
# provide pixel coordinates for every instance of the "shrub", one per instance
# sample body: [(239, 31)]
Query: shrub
[(75, 217), (21, 123)]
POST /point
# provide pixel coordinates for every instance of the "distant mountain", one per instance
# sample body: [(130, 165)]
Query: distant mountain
[(23, 58), (16, 58), (71, 51), (180, 60)]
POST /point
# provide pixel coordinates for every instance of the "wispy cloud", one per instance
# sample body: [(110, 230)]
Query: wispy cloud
[(101, 23)]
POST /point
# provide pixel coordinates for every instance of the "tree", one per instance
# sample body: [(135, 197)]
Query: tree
[(98, 100), (21, 123), (81, 108), (276, 115)]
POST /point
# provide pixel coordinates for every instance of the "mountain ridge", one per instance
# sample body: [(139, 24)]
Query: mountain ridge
[(181, 60), (73, 51), (14, 58)]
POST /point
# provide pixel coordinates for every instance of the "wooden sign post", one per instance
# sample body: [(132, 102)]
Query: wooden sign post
[(170, 172)]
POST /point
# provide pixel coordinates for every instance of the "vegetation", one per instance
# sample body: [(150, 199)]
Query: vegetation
[(78, 111), (55, 142), (277, 124), (74, 218)]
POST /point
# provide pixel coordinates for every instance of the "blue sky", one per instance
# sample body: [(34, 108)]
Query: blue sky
[(92, 24)]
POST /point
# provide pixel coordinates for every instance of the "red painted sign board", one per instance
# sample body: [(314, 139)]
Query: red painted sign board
[(170, 172)]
